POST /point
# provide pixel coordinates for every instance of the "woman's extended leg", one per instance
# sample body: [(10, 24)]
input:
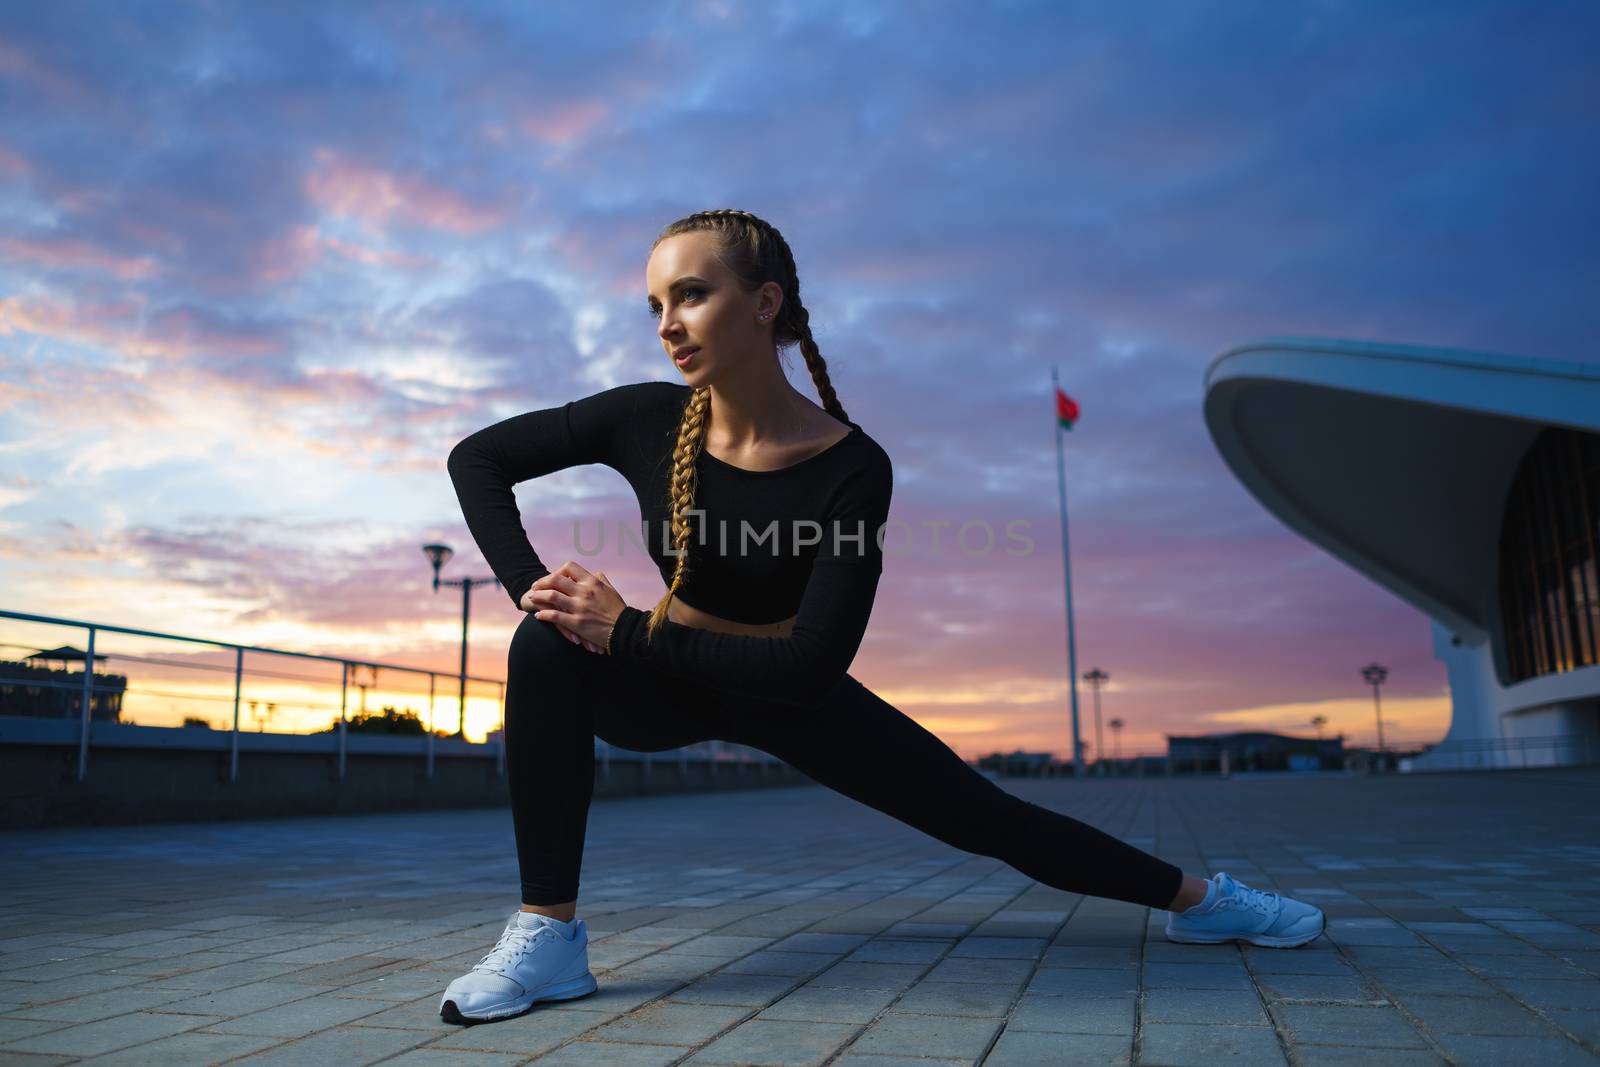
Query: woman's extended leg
[(860, 745)]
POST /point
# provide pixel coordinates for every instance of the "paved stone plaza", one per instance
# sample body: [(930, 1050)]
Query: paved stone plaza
[(794, 926)]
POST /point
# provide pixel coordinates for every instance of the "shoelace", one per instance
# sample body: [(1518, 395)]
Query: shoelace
[(1265, 901), (509, 949)]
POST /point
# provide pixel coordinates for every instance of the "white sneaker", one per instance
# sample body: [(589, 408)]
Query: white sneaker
[(531, 962), (1235, 912)]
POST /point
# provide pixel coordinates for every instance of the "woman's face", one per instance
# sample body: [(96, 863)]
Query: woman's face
[(700, 306)]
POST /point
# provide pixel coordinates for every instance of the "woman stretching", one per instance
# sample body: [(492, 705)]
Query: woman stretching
[(764, 513)]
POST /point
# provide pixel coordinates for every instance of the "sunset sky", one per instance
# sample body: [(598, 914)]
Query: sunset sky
[(263, 265)]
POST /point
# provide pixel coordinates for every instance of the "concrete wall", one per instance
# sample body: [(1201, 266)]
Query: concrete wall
[(139, 774)]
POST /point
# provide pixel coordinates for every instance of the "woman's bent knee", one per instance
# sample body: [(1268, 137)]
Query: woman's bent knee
[(542, 642)]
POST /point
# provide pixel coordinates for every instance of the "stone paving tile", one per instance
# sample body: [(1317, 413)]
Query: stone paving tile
[(593, 1054), (887, 950), (44, 964), (45, 992), (1020, 948), (871, 975), (429, 1056), (240, 1000), (1082, 982), (1323, 988), (1473, 1015), (1229, 975), (1025, 1048), (1074, 1015), (14, 1029), (776, 1043), (666, 965), (1551, 993), (1186, 1044), (1581, 1025), (957, 998), (195, 1046), (1229, 1007), (1367, 1026), (838, 944), (1345, 1056), (851, 1058), (299, 1018), (401, 984), (1095, 957), (422, 1013), (101, 1005), (796, 911), (107, 1035), (923, 1035), (1011, 973), (750, 990), (1537, 965), (240, 972), (1472, 1049), (540, 1030), (614, 997), (670, 1023), (830, 1004), (1444, 979), (171, 966), (345, 1045), (1315, 958)]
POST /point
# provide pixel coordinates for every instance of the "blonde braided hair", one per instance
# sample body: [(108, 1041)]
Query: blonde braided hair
[(755, 253)]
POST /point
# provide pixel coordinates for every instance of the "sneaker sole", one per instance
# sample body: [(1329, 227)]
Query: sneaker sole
[(1263, 940), (581, 986)]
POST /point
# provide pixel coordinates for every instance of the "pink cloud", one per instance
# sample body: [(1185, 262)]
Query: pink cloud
[(565, 123), (373, 257), (18, 64), (342, 186), (286, 256), (173, 334), (301, 247), (96, 325), (74, 253)]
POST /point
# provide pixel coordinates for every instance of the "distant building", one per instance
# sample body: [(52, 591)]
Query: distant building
[(1466, 484), (1253, 751), (1019, 764), (32, 687), (1365, 760)]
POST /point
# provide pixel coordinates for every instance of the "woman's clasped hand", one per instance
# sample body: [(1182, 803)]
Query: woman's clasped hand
[(583, 606)]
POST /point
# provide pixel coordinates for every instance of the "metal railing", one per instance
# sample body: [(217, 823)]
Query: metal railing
[(1507, 753), (93, 689), (87, 686)]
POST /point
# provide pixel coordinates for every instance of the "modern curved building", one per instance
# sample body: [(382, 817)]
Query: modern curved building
[(1466, 483)]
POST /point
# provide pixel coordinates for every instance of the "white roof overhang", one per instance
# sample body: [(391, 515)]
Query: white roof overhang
[(1396, 459)]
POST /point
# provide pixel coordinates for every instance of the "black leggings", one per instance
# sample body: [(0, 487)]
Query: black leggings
[(559, 695)]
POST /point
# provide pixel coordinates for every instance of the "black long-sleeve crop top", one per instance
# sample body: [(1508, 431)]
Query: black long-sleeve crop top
[(802, 540)]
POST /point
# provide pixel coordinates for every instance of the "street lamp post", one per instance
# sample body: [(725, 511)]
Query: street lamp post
[(439, 555), (1097, 678), (1375, 675), (363, 676)]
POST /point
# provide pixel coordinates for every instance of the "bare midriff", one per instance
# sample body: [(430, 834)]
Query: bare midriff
[(684, 615)]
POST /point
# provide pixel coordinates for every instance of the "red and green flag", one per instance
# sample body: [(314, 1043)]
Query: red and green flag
[(1066, 409)]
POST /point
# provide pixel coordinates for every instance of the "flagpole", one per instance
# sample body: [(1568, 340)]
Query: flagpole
[(1066, 567)]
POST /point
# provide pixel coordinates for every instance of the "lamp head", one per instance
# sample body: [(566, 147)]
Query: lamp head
[(438, 555)]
